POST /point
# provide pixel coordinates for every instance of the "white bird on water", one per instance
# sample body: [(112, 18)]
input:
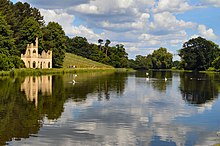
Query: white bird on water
[(147, 73), (73, 81), (165, 79), (147, 79)]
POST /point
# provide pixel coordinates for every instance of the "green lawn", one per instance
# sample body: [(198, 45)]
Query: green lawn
[(82, 65), (80, 62)]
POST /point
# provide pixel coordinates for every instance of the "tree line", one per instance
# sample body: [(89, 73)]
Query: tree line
[(20, 24), (197, 54), (115, 56)]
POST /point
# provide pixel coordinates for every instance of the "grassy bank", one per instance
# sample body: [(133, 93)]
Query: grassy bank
[(80, 65), (71, 60), (26, 72)]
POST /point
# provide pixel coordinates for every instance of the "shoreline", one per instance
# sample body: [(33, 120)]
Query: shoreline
[(54, 71), (58, 71)]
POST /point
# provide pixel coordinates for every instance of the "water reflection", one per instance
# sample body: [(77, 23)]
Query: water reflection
[(18, 118), (198, 88), (157, 79), (110, 109), (32, 85)]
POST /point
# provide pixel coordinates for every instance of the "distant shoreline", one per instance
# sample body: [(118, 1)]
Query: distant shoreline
[(58, 71), (54, 71)]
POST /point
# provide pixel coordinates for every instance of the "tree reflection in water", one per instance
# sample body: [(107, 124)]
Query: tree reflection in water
[(25, 102), (18, 118), (198, 89), (157, 79)]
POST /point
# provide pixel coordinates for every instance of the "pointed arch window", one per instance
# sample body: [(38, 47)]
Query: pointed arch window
[(34, 64)]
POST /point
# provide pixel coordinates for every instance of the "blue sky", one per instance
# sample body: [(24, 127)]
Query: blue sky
[(141, 25)]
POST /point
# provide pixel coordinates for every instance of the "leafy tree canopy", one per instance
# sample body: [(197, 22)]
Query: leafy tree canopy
[(198, 54), (162, 59), (54, 39)]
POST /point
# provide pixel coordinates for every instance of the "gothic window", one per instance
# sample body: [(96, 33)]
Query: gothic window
[(29, 52), (34, 64), (34, 51), (29, 65), (41, 66), (48, 64)]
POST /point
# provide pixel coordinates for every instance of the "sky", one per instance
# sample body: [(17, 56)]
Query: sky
[(142, 26)]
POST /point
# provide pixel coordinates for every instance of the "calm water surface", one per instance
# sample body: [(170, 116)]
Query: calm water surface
[(111, 109)]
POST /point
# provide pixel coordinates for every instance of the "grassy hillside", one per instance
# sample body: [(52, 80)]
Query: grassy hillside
[(80, 62)]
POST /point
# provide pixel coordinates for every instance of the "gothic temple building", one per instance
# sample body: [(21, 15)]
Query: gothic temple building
[(32, 59)]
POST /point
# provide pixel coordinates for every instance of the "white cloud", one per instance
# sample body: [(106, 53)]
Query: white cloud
[(194, 36), (215, 3), (87, 9), (207, 33), (138, 24), (166, 21), (66, 21), (172, 6), (60, 17), (86, 32)]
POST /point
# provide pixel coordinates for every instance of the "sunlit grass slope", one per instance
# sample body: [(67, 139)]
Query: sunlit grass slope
[(80, 62)]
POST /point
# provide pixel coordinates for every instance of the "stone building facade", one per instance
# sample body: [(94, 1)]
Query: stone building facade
[(32, 59)]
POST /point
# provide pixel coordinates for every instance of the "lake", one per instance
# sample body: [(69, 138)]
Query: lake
[(111, 109)]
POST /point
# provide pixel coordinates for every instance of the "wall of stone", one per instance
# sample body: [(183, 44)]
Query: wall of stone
[(32, 59)]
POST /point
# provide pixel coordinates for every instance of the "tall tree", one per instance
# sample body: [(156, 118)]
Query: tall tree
[(6, 8), (55, 40), (162, 59), (143, 62), (6, 38), (6, 45), (100, 41), (107, 42), (79, 46), (198, 54), (27, 33)]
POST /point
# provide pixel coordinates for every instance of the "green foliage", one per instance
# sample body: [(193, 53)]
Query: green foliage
[(198, 54), (5, 62), (26, 27), (115, 56), (143, 62), (161, 59), (216, 63), (6, 39), (55, 39), (19, 25), (28, 32), (79, 46), (176, 64), (18, 63)]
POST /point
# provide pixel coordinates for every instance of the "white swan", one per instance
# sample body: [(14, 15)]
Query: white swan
[(147, 73), (165, 79), (147, 79)]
